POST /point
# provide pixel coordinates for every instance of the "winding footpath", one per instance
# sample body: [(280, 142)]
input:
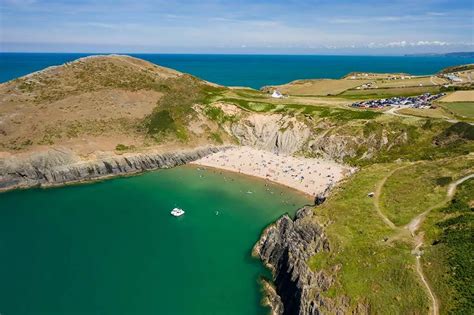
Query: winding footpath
[(393, 111), (378, 192), (413, 226)]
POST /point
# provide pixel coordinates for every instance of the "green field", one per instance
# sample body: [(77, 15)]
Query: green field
[(375, 261), (388, 92), (449, 258), (464, 109), (417, 188), (370, 270)]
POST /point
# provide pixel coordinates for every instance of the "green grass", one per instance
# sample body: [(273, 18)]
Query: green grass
[(369, 270), (254, 106), (216, 137), (464, 109), (339, 114), (460, 131), (449, 259), (175, 108), (161, 121), (123, 147), (412, 141), (218, 115), (332, 113), (248, 93), (417, 188)]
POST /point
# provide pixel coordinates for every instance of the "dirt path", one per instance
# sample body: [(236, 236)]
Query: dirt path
[(413, 226), (434, 299), (378, 192), (376, 200), (416, 221), (393, 111), (453, 186)]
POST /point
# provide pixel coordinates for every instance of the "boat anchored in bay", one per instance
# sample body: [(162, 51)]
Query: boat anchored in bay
[(177, 212)]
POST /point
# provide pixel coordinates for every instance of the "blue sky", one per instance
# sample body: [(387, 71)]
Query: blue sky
[(243, 26)]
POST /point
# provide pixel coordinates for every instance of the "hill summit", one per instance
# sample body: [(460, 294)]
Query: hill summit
[(97, 102)]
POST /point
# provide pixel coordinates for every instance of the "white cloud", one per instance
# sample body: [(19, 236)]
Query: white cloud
[(430, 43), (404, 43)]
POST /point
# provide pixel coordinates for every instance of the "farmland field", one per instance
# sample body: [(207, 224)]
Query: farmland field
[(464, 109), (321, 87), (459, 96)]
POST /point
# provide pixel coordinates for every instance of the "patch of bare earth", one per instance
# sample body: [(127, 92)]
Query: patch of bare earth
[(459, 96)]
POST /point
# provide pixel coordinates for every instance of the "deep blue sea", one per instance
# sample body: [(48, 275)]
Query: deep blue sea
[(247, 70)]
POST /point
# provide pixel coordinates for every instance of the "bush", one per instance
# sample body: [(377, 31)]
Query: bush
[(216, 137), (217, 114), (160, 122), (123, 147)]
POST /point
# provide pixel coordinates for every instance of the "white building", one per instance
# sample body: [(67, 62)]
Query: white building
[(277, 94)]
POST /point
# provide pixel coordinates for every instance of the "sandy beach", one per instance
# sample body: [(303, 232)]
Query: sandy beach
[(309, 175)]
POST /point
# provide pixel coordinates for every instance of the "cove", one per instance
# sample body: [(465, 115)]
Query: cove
[(112, 247)]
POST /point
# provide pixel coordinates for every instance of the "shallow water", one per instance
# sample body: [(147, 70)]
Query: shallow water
[(113, 248)]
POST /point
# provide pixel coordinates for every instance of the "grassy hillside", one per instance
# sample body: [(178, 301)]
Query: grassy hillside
[(449, 258), (101, 102), (373, 261)]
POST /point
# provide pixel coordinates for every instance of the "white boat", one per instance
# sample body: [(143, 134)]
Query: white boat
[(177, 212)]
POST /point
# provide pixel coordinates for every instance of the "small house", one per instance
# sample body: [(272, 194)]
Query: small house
[(277, 94)]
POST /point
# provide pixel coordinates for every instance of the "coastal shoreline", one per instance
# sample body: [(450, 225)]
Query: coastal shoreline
[(56, 168), (27, 173), (310, 176), (221, 171)]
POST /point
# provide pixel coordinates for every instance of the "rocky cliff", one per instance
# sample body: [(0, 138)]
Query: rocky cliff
[(58, 167), (275, 133), (285, 248), (288, 135)]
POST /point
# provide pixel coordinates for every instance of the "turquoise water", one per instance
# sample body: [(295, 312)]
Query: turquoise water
[(113, 248), (248, 70)]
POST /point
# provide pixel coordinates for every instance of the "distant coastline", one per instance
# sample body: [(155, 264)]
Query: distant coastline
[(462, 54)]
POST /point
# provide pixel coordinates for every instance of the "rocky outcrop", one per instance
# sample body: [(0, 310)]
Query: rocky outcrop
[(58, 167), (275, 133), (285, 248), (288, 134), (338, 146)]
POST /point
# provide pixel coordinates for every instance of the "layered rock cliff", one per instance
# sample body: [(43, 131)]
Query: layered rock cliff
[(275, 133), (287, 134), (58, 167), (285, 248)]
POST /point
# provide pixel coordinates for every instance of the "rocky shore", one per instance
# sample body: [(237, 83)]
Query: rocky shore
[(285, 248), (59, 167)]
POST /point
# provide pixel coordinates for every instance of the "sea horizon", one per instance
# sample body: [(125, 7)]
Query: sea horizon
[(249, 70), (434, 54)]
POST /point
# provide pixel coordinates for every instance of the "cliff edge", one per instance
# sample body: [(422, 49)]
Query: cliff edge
[(59, 167), (285, 248)]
